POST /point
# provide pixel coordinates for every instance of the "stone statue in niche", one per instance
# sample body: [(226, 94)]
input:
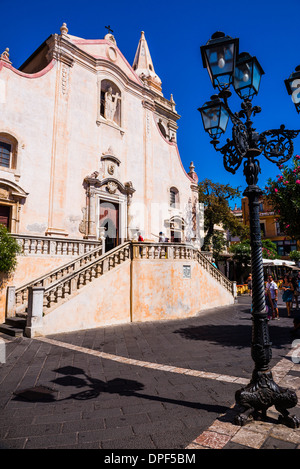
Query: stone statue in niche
[(111, 169), (110, 105)]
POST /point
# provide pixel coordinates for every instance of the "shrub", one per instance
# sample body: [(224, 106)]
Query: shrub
[(9, 248), (295, 256)]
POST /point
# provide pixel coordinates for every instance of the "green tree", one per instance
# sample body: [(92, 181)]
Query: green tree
[(219, 243), (283, 194), (242, 254), (295, 256), (9, 248), (215, 198)]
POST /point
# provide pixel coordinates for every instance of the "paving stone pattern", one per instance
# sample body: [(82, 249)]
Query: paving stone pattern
[(155, 385)]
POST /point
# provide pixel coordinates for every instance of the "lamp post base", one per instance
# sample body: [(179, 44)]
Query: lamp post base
[(261, 394)]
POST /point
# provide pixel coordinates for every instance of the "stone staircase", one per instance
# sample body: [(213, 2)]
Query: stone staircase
[(55, 277), (15, 326), (61, 284)]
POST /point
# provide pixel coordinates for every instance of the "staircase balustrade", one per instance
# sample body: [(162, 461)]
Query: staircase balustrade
[(53, 276), (42, 245), (61, 289), (175, 251), (62, 283)]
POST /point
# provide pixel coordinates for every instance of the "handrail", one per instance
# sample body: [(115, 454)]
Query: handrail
[(84, 272), (45, 245), (64, 286), (82, 268), (22, 291), (142, 250), (59, 269)]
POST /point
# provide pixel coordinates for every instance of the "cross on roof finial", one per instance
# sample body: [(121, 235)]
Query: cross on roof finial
[(109, 29)]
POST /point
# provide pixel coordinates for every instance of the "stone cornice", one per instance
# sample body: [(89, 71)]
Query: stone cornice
[(64, 50)]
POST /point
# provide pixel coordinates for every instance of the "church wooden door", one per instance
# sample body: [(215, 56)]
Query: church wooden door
[(5, 215), (109, 219)]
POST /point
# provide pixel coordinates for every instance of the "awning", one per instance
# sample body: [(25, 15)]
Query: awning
[(279, 262)]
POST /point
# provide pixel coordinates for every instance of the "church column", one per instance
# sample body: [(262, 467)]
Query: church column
[(148, 167), (129, 192), (92, 215), (60, 140), (197, 209), (90, 183)]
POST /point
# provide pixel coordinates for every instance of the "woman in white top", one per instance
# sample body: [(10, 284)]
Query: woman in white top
[(272, 286)]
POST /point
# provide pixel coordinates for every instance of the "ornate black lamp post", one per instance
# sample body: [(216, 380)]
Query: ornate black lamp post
[(227, 67)]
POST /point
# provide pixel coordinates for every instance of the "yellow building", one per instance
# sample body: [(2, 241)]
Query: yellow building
[(270, 228)]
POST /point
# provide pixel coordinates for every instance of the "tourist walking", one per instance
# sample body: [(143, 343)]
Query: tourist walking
[(161, 238), (288, 293), (269, 304), (249, 282), (272, 286)]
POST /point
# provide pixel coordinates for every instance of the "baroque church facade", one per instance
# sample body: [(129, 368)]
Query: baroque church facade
[(88, 146), (93, 188)]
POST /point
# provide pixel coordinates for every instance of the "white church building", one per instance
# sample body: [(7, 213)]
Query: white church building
[(91, 183)]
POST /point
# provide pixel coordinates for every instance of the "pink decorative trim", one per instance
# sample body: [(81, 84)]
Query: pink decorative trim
[(89, 41), (28, 75), (104, 41), (173, 144)]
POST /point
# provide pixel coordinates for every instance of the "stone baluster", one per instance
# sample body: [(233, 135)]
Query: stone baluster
[(144, 250), (163, 252), (93, 273), (151, 252), (99, 269), (26, 246), (45, 246), (31, 246), (156, 252), (39, 246), (170, 252), (58, 293), (46, 300), (81, 280)]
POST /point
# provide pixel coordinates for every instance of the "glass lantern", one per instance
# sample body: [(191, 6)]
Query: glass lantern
[(215, 117), (219, 57), (247, 76)]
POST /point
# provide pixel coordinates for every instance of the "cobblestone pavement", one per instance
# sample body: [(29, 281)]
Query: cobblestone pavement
[(154, 386)]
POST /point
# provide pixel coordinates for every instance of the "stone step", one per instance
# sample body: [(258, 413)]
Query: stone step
[(17, 322), (10, 330)]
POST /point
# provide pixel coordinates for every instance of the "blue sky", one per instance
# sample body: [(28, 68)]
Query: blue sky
[(175, 30)]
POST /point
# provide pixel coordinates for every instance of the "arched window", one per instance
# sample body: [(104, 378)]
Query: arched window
[(174, 197), (110, 102), (8, 151), (176, 229)]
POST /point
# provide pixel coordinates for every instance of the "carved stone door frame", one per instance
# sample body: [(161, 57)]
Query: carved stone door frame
[(107, 189), (12, 196), (121, 201)]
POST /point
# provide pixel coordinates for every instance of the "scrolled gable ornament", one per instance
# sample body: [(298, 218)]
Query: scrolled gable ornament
[(112, 187)]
